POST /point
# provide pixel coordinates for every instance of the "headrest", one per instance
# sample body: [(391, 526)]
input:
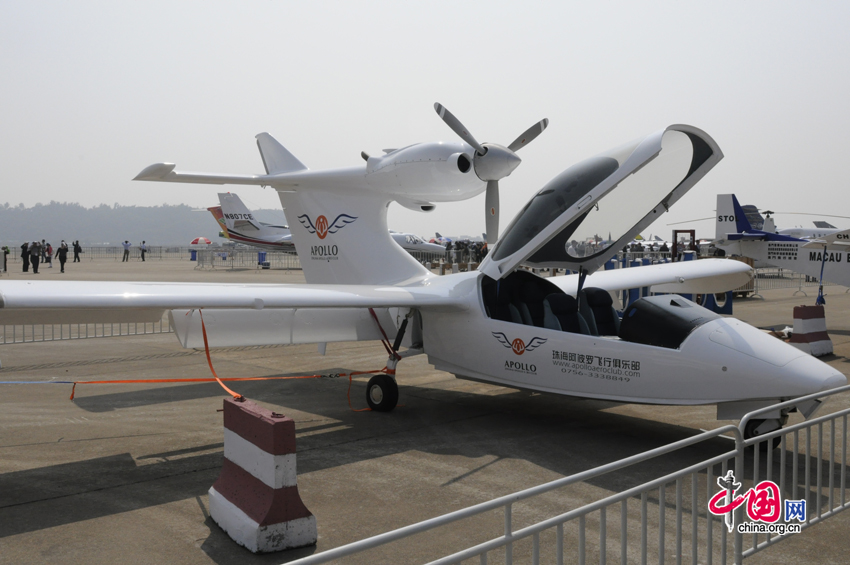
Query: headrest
[(562, 303), (597, 297)]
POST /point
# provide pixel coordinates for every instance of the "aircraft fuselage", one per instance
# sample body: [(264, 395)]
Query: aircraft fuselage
[(723, 360)]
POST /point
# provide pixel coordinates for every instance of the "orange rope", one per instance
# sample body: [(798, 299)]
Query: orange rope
[(235, 395), (193, 380)]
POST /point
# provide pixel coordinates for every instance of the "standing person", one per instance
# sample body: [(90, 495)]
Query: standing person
[(25, 256), (77, 251), (48, 252), (35, 254), (43, 249), (126, 245), (143, 248), (62, 254)]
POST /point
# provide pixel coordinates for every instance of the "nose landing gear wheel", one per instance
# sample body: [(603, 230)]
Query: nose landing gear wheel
[(757, 427), (382, 393)]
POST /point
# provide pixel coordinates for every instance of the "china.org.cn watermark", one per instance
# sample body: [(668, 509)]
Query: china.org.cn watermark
[(764, 507)]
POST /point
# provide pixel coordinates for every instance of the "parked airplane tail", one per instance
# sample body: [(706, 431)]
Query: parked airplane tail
[(276, 158), (219, 218), (236, 214), (730, 217)]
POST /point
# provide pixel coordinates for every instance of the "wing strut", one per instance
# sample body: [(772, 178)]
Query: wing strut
[(582, 274)]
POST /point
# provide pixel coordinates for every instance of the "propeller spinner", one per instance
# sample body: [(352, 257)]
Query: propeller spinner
[(492, 162)]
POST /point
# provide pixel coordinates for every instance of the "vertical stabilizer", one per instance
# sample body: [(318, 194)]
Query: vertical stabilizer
[(236, 214), (219, 218), (276, 158), (730, 217), (342, 238)]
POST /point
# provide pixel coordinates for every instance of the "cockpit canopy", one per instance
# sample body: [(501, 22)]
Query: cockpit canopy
[(599, 205)]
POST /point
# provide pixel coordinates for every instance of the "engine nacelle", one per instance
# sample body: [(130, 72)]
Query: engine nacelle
[(426, 172)]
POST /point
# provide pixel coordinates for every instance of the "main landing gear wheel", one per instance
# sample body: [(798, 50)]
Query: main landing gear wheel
[(756, 427), (382, 393)]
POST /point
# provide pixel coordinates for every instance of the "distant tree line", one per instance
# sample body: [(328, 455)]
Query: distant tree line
[(110, 225)]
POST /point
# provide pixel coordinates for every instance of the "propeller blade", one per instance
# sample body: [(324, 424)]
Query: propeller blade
[(529, 135), (458, 127), (811, 214), (492, 211)]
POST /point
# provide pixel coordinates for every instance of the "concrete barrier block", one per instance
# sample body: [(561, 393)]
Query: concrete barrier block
[(810, 331), (255, 499)]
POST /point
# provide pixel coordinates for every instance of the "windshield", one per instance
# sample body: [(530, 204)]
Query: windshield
[(553, 200), (624, 205)]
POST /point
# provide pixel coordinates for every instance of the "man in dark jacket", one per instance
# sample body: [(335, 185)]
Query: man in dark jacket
[(25, 256), (35, 255), (62, 254), (77, 251)]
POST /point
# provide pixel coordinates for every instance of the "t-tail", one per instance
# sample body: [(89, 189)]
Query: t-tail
[(338, 218)]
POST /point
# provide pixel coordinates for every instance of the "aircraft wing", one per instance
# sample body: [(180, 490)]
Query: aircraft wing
[(684, 277), (45, 302)]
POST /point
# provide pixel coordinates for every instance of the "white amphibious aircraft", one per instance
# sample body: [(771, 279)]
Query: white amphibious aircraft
[(501, 324), (238, 224), (825, 255)]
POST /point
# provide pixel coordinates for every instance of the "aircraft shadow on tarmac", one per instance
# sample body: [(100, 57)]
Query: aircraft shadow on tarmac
[(561, 434)]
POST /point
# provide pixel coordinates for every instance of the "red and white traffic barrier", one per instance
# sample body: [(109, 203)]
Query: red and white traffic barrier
[(810, 331), (255, 499)]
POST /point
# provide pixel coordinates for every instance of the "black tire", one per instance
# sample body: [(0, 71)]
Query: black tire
[(382, 393), (750, 432)]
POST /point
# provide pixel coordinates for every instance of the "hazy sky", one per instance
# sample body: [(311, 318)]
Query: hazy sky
[(92, 92)]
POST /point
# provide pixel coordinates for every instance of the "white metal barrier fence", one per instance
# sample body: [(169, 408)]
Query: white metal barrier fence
[(247, 259), (770, 278), (26, 333), (665, 519)]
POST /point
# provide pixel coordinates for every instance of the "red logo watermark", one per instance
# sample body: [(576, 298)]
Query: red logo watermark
[(763, 504)]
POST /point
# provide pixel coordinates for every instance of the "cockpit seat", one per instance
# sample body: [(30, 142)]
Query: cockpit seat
[(531, 298), (597, 307), (504, 308), (560, 312)]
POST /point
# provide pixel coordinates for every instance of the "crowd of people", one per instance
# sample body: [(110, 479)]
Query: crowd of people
[(42, 252), (35, 252), (466, 251)]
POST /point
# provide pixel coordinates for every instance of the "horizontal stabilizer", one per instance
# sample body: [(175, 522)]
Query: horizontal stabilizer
[(164, 172), (276, 158), (746, 236)]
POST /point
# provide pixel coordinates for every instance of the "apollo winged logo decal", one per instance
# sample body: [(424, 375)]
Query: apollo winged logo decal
[(517, 345), (322, 228)]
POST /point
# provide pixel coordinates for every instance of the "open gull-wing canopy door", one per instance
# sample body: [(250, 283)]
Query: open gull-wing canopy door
[(638, 182)]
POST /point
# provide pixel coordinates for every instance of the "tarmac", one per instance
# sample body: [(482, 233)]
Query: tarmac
[(121, 473)]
